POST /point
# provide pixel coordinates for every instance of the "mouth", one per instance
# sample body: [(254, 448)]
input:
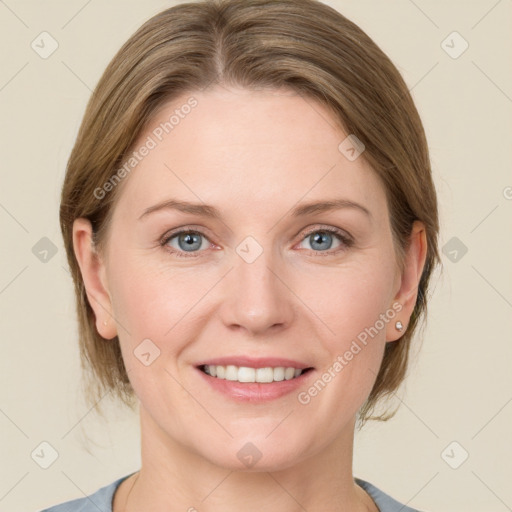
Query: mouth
[(254, 380), (247, 374)]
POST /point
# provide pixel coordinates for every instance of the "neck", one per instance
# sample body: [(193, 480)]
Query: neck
[(174, 477)]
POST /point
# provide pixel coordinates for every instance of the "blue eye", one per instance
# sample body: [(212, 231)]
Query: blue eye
[(324, 236), (190, 242)]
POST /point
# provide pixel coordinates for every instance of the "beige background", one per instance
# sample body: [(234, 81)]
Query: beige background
[(460, 386)]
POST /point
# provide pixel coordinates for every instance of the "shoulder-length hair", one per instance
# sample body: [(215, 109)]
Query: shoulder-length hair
[(303, 45)]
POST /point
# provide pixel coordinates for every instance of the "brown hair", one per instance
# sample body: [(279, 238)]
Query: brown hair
[(302, 45)]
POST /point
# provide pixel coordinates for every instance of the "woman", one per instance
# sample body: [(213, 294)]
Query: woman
[(251, 225)]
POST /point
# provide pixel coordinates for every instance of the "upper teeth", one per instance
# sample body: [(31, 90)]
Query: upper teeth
[(246, 374)]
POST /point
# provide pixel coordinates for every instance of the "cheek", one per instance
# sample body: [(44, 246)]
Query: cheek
[(351, 299), (357, 308), (153, 308), (159, 304), (149, 299)]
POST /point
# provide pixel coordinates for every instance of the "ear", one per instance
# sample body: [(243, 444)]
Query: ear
[(93, 272), (409, 281)]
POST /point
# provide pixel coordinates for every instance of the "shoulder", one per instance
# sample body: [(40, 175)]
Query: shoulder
[(100, 501), (384, 502)]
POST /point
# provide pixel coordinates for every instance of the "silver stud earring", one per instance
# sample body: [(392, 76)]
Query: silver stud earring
[(399, 326)]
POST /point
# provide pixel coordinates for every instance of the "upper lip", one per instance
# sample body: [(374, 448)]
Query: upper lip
[(255, 362)]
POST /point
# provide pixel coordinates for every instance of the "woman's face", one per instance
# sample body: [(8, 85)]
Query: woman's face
[(264, 278)]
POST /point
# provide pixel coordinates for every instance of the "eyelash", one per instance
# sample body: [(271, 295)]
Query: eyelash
[(346, 241)]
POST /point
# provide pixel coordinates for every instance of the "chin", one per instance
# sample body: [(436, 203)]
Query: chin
[(256, 453)]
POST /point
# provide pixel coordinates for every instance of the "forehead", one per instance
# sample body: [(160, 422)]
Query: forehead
[(239, 148)]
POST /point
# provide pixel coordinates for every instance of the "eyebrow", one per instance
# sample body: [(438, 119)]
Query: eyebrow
[(205, 210)]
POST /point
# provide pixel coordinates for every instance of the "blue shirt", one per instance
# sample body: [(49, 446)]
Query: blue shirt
[(101, 500)]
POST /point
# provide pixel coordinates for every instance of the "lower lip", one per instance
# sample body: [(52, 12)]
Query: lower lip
[(255, 391)]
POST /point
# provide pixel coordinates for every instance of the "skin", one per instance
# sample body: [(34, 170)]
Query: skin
[(292, 301)]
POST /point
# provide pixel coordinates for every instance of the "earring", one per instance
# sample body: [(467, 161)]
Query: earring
[(399, 326), (105, 322)]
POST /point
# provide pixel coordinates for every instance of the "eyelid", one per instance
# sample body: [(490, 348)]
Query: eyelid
[(325, 227), (345, 237), (187, 228)]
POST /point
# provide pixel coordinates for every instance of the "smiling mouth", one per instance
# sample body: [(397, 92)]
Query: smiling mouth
[(243, 374)]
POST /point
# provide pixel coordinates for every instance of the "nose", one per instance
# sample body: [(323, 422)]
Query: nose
[(256, 297)]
